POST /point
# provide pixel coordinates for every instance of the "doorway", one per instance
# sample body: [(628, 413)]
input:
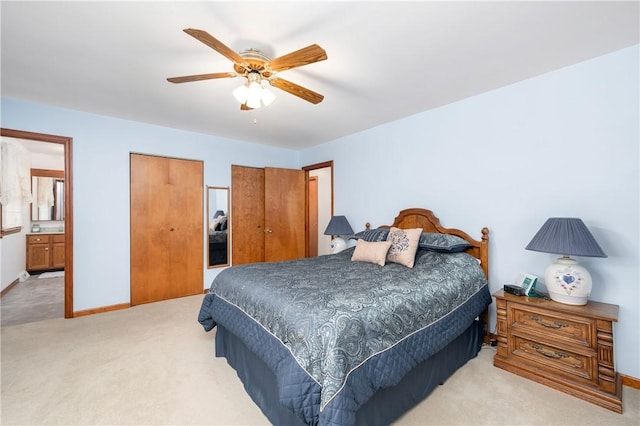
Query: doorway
[(68, 204), (319, 207)]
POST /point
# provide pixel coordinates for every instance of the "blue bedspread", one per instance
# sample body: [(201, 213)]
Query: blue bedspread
[(335, 331)]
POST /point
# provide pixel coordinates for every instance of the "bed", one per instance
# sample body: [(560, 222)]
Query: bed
[(218, 247), (334, 341)]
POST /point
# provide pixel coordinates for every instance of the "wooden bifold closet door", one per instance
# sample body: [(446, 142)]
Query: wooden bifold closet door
[(268, 214), (166, 228)]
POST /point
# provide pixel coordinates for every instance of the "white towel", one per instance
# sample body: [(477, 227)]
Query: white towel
[(45, 192)]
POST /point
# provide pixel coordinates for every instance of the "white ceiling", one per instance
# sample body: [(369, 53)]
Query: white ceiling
[(386, 60)]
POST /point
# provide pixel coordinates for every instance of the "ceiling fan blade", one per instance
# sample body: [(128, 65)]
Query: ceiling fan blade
[(198, 77), (299, 91), (216, 45), (304, 56), (244, 107)]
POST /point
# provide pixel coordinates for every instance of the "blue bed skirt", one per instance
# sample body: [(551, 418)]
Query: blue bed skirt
[(384, 407)]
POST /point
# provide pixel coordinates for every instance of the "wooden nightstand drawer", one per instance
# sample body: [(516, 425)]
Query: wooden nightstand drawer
[(576, 366), (572, 330)]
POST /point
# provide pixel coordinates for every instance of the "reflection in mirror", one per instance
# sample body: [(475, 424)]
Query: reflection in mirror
[(217, 214), (47, 189)]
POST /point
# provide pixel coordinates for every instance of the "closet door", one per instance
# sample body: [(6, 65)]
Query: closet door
[(268, 214), (166, 228)]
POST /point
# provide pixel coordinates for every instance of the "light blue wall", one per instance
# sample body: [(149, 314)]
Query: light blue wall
[(101, 148), (562, 144)]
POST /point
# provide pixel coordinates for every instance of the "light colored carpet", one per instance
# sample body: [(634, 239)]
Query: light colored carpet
[(153, 364)]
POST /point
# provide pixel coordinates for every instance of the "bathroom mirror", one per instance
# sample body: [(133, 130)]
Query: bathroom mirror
[(47, 188), (218, 226)]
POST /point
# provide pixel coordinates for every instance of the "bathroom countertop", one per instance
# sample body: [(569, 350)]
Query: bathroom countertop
[(46, 231)]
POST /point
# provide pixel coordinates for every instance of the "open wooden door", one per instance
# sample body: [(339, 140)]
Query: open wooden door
[(247, 215), (284, 214)]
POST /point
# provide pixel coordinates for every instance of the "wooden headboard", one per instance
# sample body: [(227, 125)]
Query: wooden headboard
[(425, 219)]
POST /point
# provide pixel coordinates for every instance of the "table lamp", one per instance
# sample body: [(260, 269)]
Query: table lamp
[(338, 225), (567, 281)]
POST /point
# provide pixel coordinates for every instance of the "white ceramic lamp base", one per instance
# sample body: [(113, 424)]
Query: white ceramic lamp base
[(568, 282), (337, 245)]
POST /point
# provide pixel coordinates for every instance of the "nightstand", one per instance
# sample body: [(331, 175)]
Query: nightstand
[(566, 347)]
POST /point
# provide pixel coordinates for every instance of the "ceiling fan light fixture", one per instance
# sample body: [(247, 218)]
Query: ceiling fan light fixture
[(241, 93), (253, 100), (255, 91), (255, 66), (267, 97), (252, 93)]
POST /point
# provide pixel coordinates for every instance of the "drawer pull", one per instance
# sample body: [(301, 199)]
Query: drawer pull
[(554, 354), (554, 325)]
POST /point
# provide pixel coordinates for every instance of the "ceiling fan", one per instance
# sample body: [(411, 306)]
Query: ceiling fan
[(255, 66)]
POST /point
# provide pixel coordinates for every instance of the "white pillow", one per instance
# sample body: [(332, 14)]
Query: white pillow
[(404, 244), (216, 221), (373, 252)]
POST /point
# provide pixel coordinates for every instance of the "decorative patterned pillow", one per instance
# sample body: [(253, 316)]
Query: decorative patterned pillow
[(373, 252), (371, 235), (404, 244), (442, 243), (215, 223)]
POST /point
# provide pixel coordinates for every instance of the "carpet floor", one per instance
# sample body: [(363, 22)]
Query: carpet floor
[(154, 365)]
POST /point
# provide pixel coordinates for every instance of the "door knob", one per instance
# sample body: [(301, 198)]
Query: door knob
[(268, 231)]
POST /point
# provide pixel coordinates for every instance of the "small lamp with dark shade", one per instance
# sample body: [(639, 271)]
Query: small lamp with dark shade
[(338, 225), (567, 281)]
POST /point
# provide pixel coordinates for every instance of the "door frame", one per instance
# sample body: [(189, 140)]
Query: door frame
[(68, 205), (307, 169), (312, 211)]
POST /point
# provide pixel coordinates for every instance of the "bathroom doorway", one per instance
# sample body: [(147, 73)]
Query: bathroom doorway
[(66, 142)]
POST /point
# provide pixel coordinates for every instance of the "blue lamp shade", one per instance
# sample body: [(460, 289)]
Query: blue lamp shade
[(338, 225), (566, 236), (567, 281)]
